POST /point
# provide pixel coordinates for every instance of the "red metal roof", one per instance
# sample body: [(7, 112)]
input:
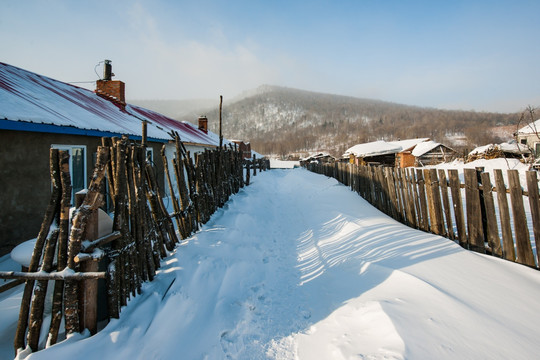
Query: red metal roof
[(30, 98)]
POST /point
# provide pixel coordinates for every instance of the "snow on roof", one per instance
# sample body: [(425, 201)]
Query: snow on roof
[(409, 143), (530, 128), (379, 147), (257, 155), (27, 98), (482, 149), (424, 147), (513, 148), (316, 155)]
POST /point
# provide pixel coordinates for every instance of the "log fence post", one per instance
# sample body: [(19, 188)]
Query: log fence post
[(508, 250), (523, 243), (89, 288), (474, 213), (492, 230), (58, 161), (534, 202), (455, 189)]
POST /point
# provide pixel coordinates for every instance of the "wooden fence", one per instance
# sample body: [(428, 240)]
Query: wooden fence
[(468, 213), (68, 255)]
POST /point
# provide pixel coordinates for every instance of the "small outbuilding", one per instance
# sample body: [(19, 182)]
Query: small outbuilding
[(377, 152), (432, 153), (320, 158), (405, 158)]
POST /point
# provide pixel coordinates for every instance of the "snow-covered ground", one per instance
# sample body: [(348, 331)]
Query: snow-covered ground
[(296, 266), (489, 166), (283, 164)]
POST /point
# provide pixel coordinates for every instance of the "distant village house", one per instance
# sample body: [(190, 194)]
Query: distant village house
[(529, 135), (402, 153), (319, 158)]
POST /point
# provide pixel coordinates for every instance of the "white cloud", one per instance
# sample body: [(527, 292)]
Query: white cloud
[(163, 66)]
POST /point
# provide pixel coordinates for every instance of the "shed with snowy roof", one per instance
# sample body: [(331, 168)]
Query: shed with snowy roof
[(432, 153), (37, 113), (377, 152), (405, 158)]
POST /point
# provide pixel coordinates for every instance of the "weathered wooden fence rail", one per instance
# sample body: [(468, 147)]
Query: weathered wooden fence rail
[(70, 258), (468, 213)]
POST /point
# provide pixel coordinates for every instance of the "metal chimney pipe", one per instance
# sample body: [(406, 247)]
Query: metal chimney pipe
[(107, 70)]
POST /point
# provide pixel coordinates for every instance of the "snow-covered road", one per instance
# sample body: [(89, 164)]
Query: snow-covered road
[(296, 266)]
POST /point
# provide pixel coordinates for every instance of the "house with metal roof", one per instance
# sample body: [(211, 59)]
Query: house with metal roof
[(37, 113)]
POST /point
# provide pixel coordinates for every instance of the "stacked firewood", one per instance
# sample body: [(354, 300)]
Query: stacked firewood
[(491, 152)]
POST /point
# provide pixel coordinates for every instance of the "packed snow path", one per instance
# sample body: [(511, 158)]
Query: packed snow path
[(296, 266)]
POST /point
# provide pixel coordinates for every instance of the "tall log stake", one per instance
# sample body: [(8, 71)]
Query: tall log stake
[(52, 209)]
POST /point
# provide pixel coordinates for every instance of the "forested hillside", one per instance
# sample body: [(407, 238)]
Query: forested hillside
[(278, 120)]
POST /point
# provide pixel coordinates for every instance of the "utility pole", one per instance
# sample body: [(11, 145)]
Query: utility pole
[(220, 133)]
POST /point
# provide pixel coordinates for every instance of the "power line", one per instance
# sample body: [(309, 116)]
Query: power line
[(81, 82), (88, 82)]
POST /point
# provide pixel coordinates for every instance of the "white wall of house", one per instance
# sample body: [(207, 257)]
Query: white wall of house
[(532, 141)]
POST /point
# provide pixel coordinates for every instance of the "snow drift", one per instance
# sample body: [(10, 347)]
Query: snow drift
[(296, 266)]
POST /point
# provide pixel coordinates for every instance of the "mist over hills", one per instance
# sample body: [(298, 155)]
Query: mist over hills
[(176, 108), (279, 120)]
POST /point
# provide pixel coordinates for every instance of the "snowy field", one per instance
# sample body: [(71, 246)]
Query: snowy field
[(296, 266)]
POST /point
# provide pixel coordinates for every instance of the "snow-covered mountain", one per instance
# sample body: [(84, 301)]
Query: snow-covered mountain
[(280, 120)]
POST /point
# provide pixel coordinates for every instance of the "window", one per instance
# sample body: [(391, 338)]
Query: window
[(150, 154), (537, 150), (523, 141), (77, 166)]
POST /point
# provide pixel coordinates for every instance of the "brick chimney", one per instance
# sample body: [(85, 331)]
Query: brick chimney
[(203, 123), (113, 90)]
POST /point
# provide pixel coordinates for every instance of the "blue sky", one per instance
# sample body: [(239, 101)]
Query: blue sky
[(481, 55)]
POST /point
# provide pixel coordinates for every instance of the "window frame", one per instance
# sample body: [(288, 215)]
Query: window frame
[(70, 149)]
